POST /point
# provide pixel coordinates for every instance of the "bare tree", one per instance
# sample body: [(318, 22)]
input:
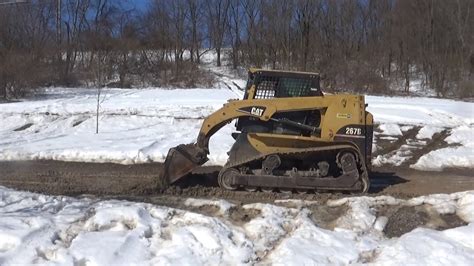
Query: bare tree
[(235, 28), (195, 12), (217, 13), (306, 12)]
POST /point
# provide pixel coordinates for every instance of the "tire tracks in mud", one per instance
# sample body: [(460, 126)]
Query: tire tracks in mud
[(417, 150), (139, 182), (436, 142), (388, 147)]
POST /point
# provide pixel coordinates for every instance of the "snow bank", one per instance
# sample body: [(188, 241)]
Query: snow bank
[(462, 135), (390, 129), (40, 229), (311, 245), (420, 111), (461, 156), (61, 230), (395, 158), (429, 247), (427, 132), (136, 126)]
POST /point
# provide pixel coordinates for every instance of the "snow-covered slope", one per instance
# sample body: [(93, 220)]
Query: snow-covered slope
[(141, 125), (135, 125), (421, 111), (39, 229)]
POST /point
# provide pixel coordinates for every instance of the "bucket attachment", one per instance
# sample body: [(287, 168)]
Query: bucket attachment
[(181, 160)]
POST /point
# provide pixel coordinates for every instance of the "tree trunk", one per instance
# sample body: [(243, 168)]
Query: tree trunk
[(218, 50), (407, 78), (3, 89), (97, 111), (235, 55)]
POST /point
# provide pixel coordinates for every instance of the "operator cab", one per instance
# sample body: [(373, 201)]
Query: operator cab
[(270, 84), (267, 84)]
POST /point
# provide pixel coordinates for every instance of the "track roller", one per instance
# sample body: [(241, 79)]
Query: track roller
[(267, 189), (251, 189), (301, 191), (286, 190)]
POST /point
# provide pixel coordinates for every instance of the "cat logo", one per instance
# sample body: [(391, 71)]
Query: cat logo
[(253, 110), (257, 111)]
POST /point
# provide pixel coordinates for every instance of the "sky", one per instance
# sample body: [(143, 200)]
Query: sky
[(138, 4)]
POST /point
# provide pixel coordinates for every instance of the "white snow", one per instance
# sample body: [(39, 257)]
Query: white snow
[(311, 245), (461, 156), (427, 132), (60, 230), (462, 135), (361, 216), (390, 129), (135, 125), (395, 158), (406, 128), (429, 247), (56, 230), (465, 208), (420, 111), (458, 157)]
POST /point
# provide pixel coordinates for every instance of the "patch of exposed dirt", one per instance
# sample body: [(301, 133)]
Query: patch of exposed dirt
[(385, 146), (326, 216), (24, 127), (241, 215), (435, 143), (75, 124), (208, 210), (403, 219), (451, 221)]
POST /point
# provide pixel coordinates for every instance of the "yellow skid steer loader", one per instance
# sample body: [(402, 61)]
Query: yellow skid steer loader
[(289, 137)]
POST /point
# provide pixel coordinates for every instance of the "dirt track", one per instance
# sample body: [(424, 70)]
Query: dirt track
[(139, 181)]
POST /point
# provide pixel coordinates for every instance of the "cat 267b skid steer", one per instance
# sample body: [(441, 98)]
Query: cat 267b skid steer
[(290, 137)]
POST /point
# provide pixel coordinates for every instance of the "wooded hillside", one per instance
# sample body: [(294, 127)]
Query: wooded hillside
[(368, 46)]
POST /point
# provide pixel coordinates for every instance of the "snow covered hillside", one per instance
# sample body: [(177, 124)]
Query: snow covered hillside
[(48, 230), (141, 125), (135, 125)]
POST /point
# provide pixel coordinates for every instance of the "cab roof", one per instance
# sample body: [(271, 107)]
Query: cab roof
[(264, 71)]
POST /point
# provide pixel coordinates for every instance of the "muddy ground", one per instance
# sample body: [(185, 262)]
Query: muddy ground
[(107, 179), (139, 183)]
